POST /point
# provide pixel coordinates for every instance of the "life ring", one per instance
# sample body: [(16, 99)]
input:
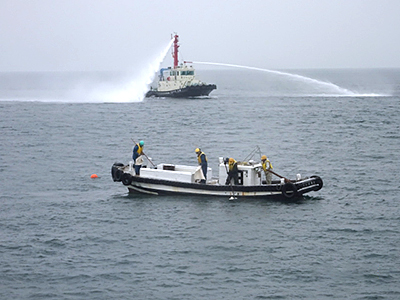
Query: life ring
[(318, 181), (289, 187), (126, 179)]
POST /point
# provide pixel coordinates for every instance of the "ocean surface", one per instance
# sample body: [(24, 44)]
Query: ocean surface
[(64, 235)]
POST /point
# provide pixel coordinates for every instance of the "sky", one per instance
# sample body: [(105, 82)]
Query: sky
[(123, 35)]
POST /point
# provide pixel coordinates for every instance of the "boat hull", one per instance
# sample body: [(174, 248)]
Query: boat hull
[(186, 92), (288, 191)]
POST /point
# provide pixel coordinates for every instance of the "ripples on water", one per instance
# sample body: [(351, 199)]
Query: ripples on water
[(66, 236)]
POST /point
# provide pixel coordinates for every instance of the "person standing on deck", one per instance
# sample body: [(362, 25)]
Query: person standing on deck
[(266, 165), (233, 172), (202, 159), (136, 156)]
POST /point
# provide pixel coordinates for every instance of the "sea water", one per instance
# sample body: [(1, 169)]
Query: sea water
[(66, 236)]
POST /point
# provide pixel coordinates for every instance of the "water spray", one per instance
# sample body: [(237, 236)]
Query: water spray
[(135, 90), (293, 76)]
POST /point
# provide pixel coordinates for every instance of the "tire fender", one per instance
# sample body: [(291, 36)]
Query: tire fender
[(114, 170), (126, 179), (289, 187), (118, 175)]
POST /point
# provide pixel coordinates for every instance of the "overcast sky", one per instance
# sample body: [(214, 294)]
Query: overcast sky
[(86, 35)]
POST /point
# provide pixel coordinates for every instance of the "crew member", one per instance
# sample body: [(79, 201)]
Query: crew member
[(202, 159), (233, 172), (266, 165), (137, 159)]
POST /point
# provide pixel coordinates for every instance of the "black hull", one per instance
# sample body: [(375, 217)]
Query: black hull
[(276, 190), (292, 191), (187, 92)]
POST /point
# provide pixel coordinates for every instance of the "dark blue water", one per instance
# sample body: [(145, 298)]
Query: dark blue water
[(64, 235)]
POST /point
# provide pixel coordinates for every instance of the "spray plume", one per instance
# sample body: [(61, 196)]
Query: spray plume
[(293, 76), (135, 90)]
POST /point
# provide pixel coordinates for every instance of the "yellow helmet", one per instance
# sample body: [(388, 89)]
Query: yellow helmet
[(197, 150), (231, 160), (264, 157)]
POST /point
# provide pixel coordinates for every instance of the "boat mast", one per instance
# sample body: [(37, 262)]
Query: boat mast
[(175, 51)]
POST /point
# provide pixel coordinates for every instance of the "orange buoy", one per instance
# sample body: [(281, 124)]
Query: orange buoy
[(93, 176)]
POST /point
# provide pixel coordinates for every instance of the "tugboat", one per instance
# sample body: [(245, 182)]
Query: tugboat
[(179, 81)]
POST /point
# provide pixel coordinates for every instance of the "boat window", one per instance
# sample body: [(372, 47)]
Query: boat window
[(187, 73)]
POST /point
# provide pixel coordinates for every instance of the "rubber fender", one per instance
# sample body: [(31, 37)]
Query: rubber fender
[(118, 175), (126, 179), (114, 169), (318, 180), (289, 187)]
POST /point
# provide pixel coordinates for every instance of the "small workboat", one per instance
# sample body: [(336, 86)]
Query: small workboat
[(187, 180), (179, 81)]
